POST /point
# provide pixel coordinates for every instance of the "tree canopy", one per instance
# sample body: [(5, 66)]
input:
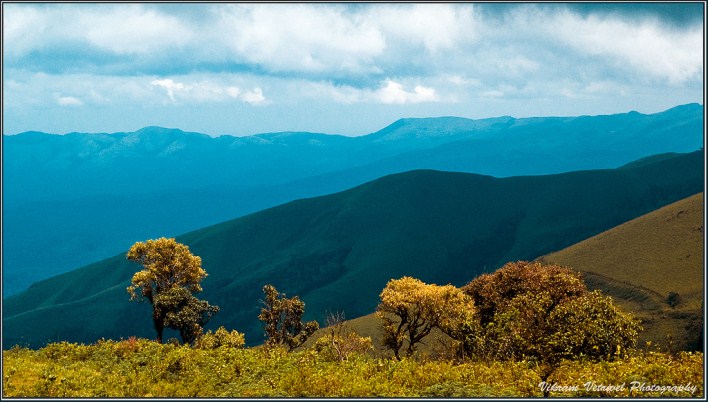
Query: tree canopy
[(411, 309), (170, 275), (545, 313)]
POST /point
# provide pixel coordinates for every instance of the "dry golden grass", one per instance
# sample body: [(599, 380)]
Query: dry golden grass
[(661, 251), (640, 262)]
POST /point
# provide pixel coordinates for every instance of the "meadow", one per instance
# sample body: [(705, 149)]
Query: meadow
[(145, 368)]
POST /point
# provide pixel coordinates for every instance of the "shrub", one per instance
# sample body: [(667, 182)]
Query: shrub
[(221, 338), (340, 340)]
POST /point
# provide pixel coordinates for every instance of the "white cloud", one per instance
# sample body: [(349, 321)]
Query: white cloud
[(434, 26), (435, 58), (134, 29), (233, 92), (254, 97), (120, 29), (23, 28), (68, 101), (298, 37), (206, 91), (393, 92), (170, 86), (389, 92), (336, 41), (642, 47)]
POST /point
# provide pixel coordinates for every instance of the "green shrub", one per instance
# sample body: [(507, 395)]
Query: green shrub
[(221, 337)]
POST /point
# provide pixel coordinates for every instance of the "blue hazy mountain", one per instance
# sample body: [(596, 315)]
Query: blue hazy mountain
[(338, 251), (76, 198)]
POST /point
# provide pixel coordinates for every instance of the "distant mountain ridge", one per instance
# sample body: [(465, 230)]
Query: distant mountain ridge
[(83, 197), (338, 251)]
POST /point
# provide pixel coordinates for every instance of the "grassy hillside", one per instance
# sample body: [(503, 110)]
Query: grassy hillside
[(644, 260), (84, 197), (337, 252), (638, 263)]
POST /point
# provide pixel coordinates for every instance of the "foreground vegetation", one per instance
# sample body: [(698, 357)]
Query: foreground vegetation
[(525, 330), (139, 367)]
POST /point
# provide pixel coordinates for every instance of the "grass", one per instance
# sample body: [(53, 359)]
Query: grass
[(644, 260), (142, 368)]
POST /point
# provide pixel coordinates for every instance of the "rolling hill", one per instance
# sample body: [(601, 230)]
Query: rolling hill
[(641, 262), (638, 263), (74, 199), (338, 251)]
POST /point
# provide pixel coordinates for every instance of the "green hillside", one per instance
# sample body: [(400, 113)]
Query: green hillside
[(642, 261), (76, 196), (338, 251), (638, 263)]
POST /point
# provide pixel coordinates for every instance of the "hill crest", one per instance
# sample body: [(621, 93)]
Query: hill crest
[(338, 251)]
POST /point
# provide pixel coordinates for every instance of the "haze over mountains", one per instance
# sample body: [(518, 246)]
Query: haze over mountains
[(77, 198), (338, 251)]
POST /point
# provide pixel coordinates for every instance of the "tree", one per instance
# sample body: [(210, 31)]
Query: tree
[(168, 266), (492, 291), (184, 312), (411, 309), (282, 318), (546, 314)]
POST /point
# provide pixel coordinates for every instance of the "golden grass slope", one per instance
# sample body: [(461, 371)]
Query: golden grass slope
[(642, 261), (638, 263)]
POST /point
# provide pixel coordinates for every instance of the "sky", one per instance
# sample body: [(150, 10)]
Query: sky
[(339, 68)]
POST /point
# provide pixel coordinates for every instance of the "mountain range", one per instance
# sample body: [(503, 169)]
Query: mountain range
[(73, 199), (338, 251)]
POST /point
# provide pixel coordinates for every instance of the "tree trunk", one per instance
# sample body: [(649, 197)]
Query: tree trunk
[(159, 327)]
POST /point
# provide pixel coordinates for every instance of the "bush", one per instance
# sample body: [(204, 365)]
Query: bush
[(221, 338)]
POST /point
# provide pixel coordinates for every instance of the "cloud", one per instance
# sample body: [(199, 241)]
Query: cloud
[(170, 86), (298, 37), (68, 101), (254, 97), (119, 29), (133, 29), (638, 49), (435, 27), (233, 92), (388, 92), (206, 91), (24, 28), (393, 92), (357, 44), (373, 58)]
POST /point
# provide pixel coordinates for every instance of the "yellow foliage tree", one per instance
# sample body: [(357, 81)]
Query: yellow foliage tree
[(167, 265), (410, 309), (544, 313)]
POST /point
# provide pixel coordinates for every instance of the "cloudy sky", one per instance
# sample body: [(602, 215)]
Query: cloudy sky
[(339, 68)]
